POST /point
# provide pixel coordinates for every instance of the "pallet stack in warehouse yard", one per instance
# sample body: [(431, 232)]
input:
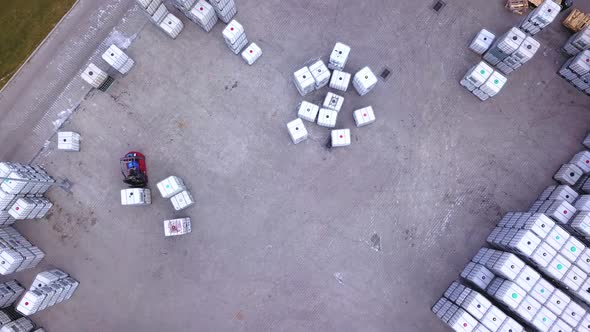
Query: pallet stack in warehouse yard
[(234, 36), (507, 52), (364, 81), (13, 321), (22, 192), (483, 81), (225, 9), (184, 5), (68, 141), (576, 71), (174, 188), (339, 57), (316, 76), (464, 309), (19, 324), (48, 289), (202, 14), (171, 25), (96, 77), (540, 17), (21, 197), (10, 291), (251, 53), (340, 80), (161, 16), (578, 42), (537, 275), (16, 252), (136, 196), (118, 59), (482, 41), (206, 14), (511, 50), (179, 226)]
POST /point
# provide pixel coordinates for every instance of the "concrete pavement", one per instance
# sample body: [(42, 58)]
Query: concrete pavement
[(300, 238)]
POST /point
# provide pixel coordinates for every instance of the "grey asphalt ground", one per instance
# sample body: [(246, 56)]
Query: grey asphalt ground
[(300, 237)]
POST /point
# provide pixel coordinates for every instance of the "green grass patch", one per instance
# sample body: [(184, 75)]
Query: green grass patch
[(23, 25)]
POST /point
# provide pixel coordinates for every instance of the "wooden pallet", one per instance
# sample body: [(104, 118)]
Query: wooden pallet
[(576, 20), (517, 6)]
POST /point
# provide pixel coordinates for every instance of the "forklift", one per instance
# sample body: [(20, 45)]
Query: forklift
[(134, 170)]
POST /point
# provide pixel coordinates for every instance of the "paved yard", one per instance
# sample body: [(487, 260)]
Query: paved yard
[(301, 237)]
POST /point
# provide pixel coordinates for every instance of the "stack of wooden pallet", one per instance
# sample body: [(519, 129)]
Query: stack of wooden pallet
[(517, 6), (520, 6), (576, 20)]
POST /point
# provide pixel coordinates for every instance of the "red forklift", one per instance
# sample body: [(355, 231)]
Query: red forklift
[(134, 170)]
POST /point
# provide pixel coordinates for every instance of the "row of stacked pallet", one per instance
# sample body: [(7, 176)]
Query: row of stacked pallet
[(11, 320), (539, 270), (49, 288), (22, 196), (552, 250), (523, 293), (512, 50), (15, 323), (465, 309), (578, 42), (483, 81), (199, 12), (16, 252), (576, 70), (507, 53), (22, 192), (161, 17), (205, 14), (540, 17)]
